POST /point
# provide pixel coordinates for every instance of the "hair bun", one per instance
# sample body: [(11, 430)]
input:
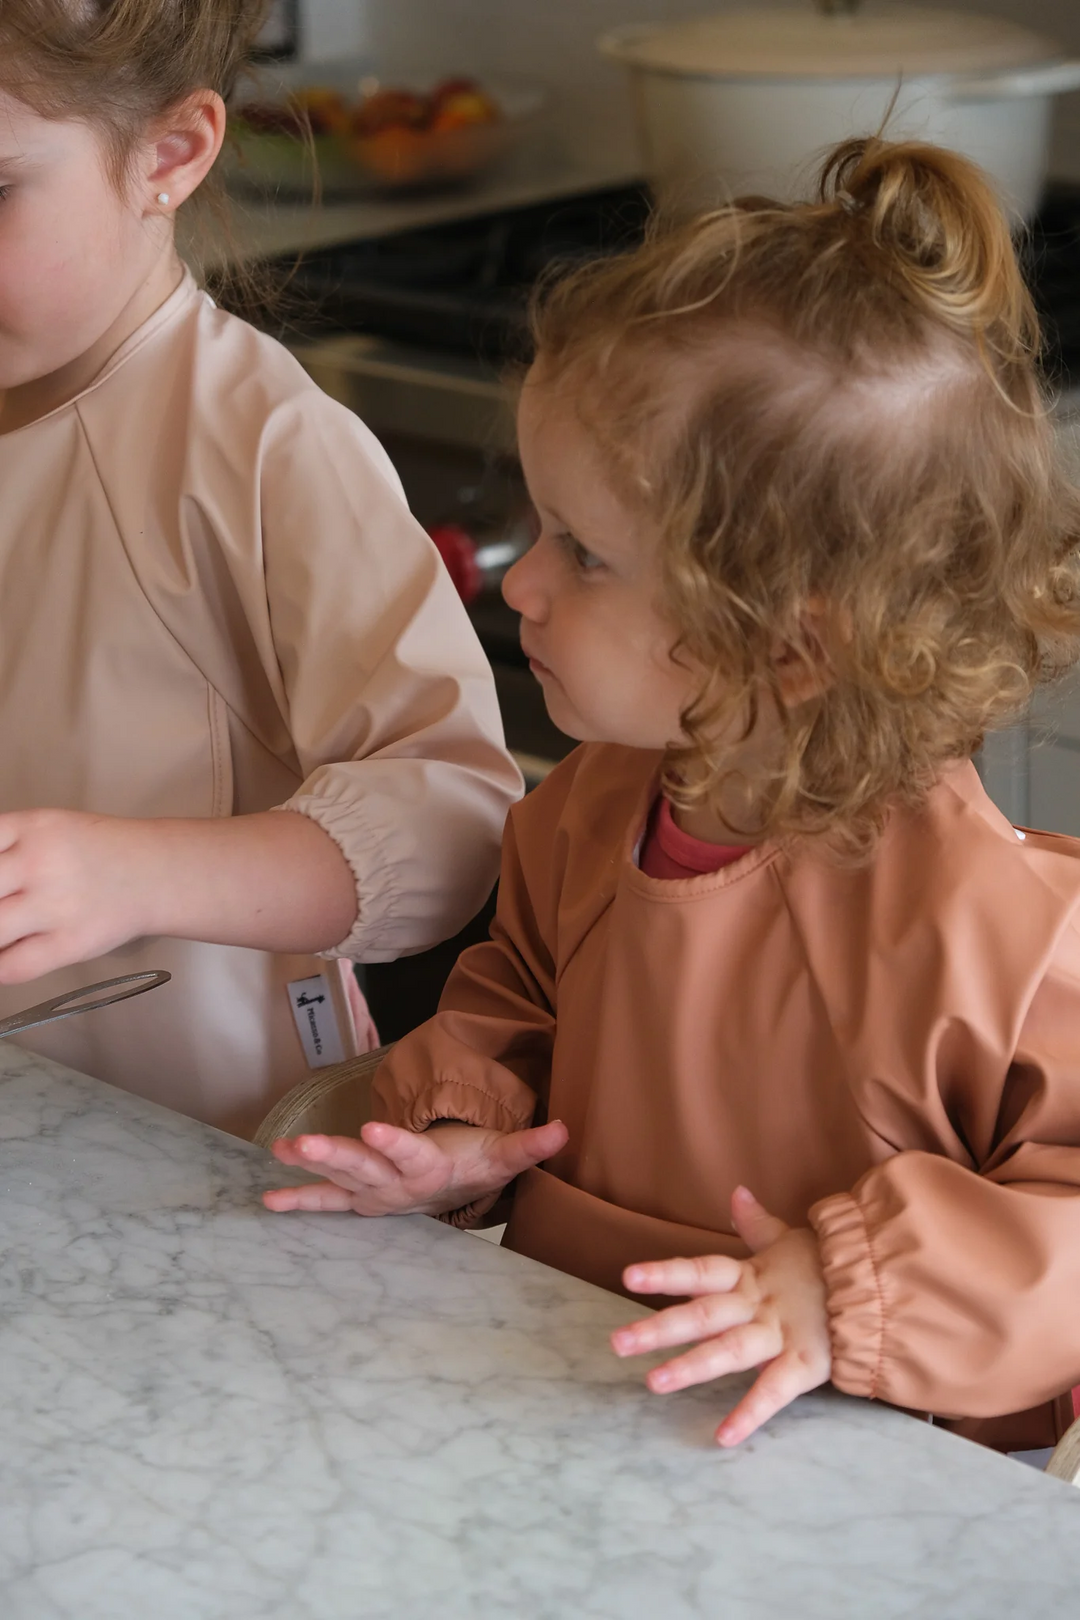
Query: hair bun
[(936, 216)]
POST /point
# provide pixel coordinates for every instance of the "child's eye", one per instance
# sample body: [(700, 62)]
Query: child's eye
[(587, 561), (3, 192)]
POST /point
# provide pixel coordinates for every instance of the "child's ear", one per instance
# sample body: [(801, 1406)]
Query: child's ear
[(180, 149), (804, 668)]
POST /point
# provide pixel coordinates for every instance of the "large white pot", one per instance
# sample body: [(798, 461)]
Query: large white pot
[(747, 101)]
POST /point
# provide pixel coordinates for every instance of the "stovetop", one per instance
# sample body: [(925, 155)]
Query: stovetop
[(463, 287)]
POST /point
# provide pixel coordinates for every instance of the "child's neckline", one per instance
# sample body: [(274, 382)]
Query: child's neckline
[(669, 853)]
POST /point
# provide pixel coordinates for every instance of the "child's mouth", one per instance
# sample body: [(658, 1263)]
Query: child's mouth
[(537, 668)]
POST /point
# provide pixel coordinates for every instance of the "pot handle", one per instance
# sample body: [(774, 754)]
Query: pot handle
[(618, 43), (1046, 79)]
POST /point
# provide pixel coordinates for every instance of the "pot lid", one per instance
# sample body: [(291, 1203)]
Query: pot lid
[(804, 42)]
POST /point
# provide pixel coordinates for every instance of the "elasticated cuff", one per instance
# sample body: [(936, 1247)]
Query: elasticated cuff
[(471, 1105), (853, 1295), (339, 822), (451, 1098)]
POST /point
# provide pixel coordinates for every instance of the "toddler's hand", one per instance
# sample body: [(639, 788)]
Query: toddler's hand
[(394, 1172), (768, 1312)]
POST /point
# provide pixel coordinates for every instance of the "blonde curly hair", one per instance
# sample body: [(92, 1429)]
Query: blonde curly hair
[(832, 413)]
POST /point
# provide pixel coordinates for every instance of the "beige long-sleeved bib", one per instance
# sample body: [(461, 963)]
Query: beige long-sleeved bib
[(214, 600)]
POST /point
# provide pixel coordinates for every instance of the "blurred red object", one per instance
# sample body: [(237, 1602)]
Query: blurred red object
[(457, 549)]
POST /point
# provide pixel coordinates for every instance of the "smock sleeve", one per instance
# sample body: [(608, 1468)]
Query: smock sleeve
[(485, 1057), (953, 1286), (389, 701)]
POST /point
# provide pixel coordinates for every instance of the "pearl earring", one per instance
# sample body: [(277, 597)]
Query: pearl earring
[(163, 198)]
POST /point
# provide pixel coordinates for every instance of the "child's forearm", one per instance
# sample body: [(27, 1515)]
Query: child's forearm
[(74, 886), (275, 882)]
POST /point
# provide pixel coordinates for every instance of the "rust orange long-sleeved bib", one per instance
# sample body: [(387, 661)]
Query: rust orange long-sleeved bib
[(890, 1054)]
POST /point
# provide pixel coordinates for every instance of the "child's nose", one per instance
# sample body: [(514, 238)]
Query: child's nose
[(523, 587)]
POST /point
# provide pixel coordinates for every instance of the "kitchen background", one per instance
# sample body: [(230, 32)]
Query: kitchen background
[(554, 41)]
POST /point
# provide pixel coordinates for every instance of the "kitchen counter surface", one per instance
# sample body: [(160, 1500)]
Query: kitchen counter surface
[(209, 1411)]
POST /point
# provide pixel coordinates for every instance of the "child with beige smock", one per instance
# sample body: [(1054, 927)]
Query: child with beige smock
[(247, 732), (773, 988)]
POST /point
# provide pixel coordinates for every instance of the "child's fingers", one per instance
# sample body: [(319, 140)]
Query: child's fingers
[(343, 1157), (752, 1221), (748, 1345), (315, 1195), (520, 1150), (18, 911), (708, 1274), (284, 1149), (11, 827), (409, 1153), (30, 957), (703, 1318), (781, 1381)]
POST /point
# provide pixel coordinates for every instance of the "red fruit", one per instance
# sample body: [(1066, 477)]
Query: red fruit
[(458, 551)]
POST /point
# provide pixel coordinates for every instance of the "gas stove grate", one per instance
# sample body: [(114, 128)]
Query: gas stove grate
[(463, 287)]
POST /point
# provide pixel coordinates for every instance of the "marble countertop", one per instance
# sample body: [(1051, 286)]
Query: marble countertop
[(212, 1413)]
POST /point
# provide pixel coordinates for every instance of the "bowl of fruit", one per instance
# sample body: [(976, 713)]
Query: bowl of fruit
[(377, 137), (402, 139), (292, 144)]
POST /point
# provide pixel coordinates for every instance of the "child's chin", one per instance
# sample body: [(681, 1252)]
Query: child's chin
[(565, 717)]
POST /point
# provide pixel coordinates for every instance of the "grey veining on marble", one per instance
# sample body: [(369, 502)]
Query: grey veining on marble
[(211, 1413)]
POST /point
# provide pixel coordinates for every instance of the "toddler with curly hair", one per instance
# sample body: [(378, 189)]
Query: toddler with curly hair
[(773, 987)]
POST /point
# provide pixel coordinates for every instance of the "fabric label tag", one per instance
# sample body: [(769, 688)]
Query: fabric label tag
[(316, 1021)]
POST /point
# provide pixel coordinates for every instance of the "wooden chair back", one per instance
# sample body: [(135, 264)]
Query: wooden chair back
[(1065, 1458), (334, 1101)]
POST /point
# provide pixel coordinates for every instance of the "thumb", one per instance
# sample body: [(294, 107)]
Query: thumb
[(754, 1224), (522, 1149)]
